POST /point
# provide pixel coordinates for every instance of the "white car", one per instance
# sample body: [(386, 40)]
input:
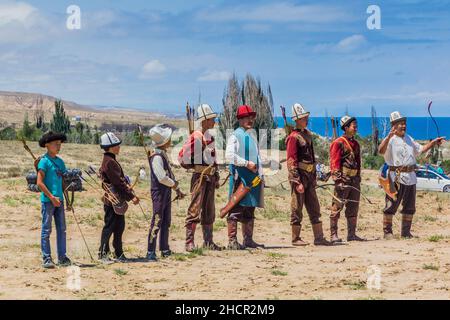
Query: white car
[(432, 181)]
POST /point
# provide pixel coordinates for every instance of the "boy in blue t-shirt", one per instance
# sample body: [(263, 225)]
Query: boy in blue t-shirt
[(51, 169)]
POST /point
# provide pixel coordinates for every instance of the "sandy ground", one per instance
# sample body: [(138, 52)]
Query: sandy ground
[(409, 269)]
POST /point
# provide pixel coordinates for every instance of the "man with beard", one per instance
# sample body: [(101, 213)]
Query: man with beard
[(400, 153)]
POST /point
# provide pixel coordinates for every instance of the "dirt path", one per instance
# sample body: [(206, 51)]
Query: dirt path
[(414, 269)]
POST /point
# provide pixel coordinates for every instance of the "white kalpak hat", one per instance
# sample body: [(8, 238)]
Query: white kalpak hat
[(160, 135), (298, 112), (346, 120), (109, 140), (396, 117), (205, 112)]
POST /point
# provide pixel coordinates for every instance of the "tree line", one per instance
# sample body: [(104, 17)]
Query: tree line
[(80, 132)]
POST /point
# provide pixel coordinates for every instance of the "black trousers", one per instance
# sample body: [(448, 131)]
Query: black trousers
[(406, 196), (242, 214), (161, 219), (114, 225)]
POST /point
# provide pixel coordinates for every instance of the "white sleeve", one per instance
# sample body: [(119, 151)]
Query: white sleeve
[(418, 148), (231, 152), (160, 173), (260, 166), (388, 154)]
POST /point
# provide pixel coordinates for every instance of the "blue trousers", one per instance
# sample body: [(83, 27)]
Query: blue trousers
[(49, 211)]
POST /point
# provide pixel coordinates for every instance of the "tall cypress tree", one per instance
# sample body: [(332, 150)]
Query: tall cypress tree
[(27, 130), (60, 122), (252, 93)]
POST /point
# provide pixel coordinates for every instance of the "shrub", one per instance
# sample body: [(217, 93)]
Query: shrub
[(373, 162)]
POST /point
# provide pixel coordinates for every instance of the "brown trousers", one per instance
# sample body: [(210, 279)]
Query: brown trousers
[(351, 207), (307, 199), (202, 208), (407, 196)]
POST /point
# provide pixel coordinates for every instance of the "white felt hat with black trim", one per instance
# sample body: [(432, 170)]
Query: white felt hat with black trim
[(299, 111), (396, 116), (205, 112), (160, 135), (346, 120), (109, 140)]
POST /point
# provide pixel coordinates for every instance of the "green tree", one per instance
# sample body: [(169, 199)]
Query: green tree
[(8, 134), (96, 137), (60, 122), (27, 130), (79, 128)]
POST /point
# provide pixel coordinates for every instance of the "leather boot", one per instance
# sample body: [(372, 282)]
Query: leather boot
[(319, 239), (387, 226), (247, 232), (233, 244), (296, 240), (351, 229), (334, 230), (190, 232), (406, 226), (208, 242)]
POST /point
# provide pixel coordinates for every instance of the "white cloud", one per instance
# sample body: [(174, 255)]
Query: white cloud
[(214, 76), (275, 12), (351, 43), (17, 12), (442, 96), (346, 45), (20, 22), (153, 68)]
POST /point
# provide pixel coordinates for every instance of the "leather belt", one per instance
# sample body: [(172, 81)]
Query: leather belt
[(210, 171), (349, 172), (308, 167), (405, 169)]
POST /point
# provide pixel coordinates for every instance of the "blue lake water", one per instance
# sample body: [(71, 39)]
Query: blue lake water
[(420, 128)]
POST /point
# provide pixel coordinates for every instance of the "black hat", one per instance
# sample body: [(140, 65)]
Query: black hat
[(51, 136)]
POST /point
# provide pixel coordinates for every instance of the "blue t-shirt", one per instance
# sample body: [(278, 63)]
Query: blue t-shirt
[(53, 168)]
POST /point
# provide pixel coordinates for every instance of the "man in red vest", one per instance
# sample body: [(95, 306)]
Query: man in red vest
[(345, 164), (199, 154), (301, 164)]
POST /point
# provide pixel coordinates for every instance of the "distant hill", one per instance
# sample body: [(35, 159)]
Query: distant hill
[(14, 106)]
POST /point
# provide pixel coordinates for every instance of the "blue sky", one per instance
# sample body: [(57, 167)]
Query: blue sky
[(157, 55)]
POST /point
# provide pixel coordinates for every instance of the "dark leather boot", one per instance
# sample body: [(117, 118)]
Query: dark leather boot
[(387, 226), (208, 242), (247, 232), (190, 232), (406, 226), (319, 239), (296, 240), (334, 230), (233, 244), (351, 229)]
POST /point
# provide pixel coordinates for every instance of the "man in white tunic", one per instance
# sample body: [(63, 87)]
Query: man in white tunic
[(246, 181), (400, 153)]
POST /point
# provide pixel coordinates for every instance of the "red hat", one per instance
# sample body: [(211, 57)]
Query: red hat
[(245, 111)]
